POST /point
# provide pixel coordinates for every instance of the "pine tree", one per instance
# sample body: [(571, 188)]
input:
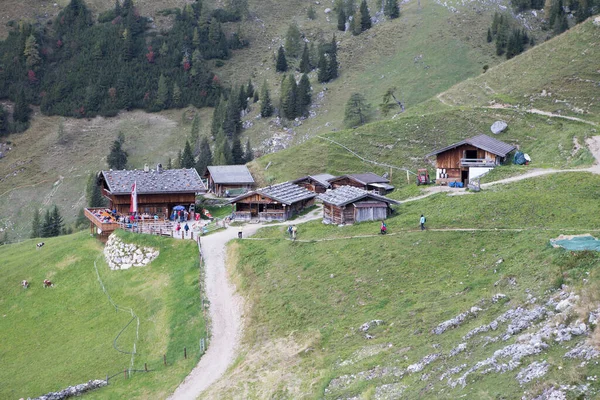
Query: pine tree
[(232, 125), (117, 158), (391, 9), (355, 25), (281, 65), (222, 154), (304, 96), (162, 94), (205, 157), (94, 192), (21, 110), (323, 74), (187, 157), (289, 92), (31, 53), (57, 222), (36, 226), (357, 111), (365, 21), (237, 152), (305, 61), (341, 20), (266, 108), (293, 41), (332, 65), (176, 95), (47, 225), (178, 159), (489, 36), (219, 114), (248, 154)]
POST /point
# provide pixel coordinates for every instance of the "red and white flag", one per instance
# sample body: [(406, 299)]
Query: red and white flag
[(133, 208)]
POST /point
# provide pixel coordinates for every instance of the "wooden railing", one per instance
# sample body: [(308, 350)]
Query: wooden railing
[(477, 162), (242, 215), (271, 216)]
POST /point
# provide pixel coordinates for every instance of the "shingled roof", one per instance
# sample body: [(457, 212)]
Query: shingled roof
[(483, 142), (322, 179), (345, 195), (166, 181), (285, 193), (229, 174), (366, 179)]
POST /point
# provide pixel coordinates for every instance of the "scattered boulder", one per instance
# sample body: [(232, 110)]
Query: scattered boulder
[(532, 371), (498, 127)]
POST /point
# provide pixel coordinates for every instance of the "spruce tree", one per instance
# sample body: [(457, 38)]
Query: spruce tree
[(219, 114), (250, 89), (31, 52), (305, 61), (562, 24), (304, 96), (162, 94), (243, 96), (187, 157), (349, 7), (21, 110), (36, 225), (281, 65), (94, 192), (237, 153), (266, 108), (205, 157), (391, 9), (248, 154), (341, 20), (357, 111), (232, 125), (176, 95), (293, 41), (117, 158), (288, 99), (332, 65), (355, 26), (311, 13), (57, 222), (323, 74), (47, 225), (583, 10), (365, 17)]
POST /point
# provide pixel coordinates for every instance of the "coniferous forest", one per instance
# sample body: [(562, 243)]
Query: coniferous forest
[(74, 66)]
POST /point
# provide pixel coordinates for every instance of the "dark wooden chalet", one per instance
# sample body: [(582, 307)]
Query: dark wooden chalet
[(229, 180), (277, 202), (469, 158), (349, 204), (367, 181), (158, 191), (315, 183)]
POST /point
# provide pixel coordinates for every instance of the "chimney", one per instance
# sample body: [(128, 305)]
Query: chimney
[(159, 168), (146, 169)]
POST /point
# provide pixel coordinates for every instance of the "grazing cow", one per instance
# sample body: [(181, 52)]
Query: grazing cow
[(25, 284), (47, 283), (39, 245)]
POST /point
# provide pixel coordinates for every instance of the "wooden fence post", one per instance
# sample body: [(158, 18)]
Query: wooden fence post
[(125, 373), (146, 367), (165, 359), (185, 353)]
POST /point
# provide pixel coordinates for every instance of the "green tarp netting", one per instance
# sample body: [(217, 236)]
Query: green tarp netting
[(577, 243)]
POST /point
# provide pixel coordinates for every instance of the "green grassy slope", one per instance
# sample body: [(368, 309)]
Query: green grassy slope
[(56, 337), (559, 76), (310, 298)]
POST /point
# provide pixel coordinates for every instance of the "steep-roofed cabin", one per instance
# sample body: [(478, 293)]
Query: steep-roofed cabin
[(277, 202), (158, 191), (229, 180), (315, 183), (469, 158), (367, 181), (349, 204)]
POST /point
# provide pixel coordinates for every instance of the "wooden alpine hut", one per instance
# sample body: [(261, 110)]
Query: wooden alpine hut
[(469, 158), (229, 180), (367, 181), (277, 202), (349, 204), (315, 183)]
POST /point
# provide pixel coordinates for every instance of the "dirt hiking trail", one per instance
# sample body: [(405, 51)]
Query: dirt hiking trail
[(225, 309)]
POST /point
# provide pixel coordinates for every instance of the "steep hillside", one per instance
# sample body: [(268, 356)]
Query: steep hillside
[(559, 76)]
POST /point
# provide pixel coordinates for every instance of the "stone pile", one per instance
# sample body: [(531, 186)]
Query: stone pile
[(72, 390), (121, 255)]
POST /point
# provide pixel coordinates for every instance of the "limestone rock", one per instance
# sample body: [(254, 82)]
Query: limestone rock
[(498, 127)]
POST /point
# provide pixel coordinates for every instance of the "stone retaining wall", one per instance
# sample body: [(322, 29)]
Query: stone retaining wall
[(121, 255)]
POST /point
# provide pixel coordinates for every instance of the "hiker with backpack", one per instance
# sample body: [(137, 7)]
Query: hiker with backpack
[(422, 221), (383, 229)]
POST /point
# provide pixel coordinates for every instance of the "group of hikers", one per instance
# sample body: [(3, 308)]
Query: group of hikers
[(383, 228)]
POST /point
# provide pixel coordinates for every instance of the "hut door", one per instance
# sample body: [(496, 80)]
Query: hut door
[(363, 214)]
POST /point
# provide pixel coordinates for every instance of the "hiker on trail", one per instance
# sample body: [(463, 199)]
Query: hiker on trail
[(289, 230), (422, 221), (186, 227), (383, 228), (294, 232), (240, 233), (178, 227)]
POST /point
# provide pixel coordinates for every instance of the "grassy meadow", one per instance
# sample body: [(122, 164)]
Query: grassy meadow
[(310, 297), (56, 337)]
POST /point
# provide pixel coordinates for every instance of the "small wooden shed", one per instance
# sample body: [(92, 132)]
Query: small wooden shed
[(277, 202), (349, 204), (315, 183), (229, 180), (367, 181), (469, 158)]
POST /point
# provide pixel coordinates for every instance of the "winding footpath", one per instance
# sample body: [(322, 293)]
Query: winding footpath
[(226, 306), (226, 310)]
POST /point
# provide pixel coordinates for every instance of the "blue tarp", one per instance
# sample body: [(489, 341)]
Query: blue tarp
[(519, 158), (578, 243)]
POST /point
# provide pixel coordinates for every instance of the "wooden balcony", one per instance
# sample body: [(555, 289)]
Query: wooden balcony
[(477, 162), (99, 217)]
